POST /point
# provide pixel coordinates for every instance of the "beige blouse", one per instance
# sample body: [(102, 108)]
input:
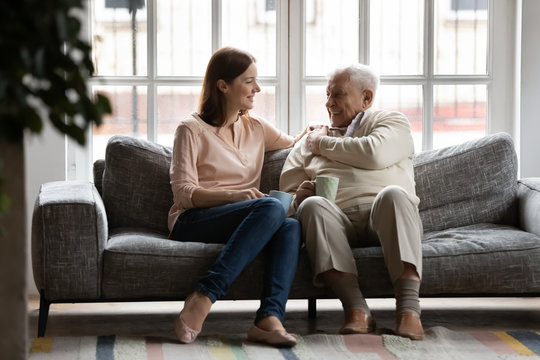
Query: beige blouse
[(203, 158)]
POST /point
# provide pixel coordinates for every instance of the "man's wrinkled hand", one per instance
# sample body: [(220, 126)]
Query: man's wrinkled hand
[(305, 190), (314, 139)]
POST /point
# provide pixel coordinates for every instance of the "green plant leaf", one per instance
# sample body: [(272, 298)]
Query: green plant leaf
[(34, 38)]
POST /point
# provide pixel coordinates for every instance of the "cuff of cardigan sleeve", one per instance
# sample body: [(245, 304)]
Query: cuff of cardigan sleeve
[(325, 144)]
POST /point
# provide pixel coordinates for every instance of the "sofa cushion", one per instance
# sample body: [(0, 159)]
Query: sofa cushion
[(474, 182), (475, 259), (136, 189), (481, 259), (141, 264)]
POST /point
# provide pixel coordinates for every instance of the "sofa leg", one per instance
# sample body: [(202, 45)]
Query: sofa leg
[(312, 308), (44, 306)]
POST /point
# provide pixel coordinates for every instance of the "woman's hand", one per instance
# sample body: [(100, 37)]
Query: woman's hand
[(248, 194), (203, 198), (305, 190)]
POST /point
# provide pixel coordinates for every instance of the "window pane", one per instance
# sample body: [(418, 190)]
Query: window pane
[(396, 36), (184, 37), (251, 25), (177, 102), (128, 116), (461, 35), (265, 104), (331, 35), (316, 112), (174, 103), (406, 99), (459, 114), (118, 38)]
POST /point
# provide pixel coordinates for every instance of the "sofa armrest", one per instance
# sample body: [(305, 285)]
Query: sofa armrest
[(69, 232), (529, 205)]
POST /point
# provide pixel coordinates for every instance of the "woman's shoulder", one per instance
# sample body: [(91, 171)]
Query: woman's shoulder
[(256, 121), (192, 123)]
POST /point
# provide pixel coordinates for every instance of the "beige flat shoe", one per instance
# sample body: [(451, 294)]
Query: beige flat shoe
[(184, 333), (279, 338)]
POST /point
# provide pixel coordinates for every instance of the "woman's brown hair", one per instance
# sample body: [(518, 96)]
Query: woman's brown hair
[(226, 63)]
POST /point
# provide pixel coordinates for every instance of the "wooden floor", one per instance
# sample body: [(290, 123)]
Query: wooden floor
[(156, 318)]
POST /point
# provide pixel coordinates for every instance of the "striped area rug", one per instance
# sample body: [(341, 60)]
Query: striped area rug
[(439, 343)]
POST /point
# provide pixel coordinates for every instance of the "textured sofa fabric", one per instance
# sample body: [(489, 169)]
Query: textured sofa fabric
[(69, 234), (135, 184), (108, 240), (468, 184)]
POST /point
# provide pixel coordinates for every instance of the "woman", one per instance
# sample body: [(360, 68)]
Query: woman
[(215, 173)]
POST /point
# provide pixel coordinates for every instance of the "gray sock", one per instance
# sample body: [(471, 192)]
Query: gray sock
[(348, 292), (407, 296)]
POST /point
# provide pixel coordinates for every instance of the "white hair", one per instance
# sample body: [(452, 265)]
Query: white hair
[(363, 77)]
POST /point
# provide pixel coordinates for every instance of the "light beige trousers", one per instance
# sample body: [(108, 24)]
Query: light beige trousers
[(392, 221)]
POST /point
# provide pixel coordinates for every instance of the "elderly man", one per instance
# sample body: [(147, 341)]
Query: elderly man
[(371, 153)]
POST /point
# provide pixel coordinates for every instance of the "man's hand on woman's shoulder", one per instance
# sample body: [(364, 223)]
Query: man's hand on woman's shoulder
[(314, 139)]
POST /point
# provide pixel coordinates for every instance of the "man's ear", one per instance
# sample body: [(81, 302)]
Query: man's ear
[(222, 86), (368, 99)]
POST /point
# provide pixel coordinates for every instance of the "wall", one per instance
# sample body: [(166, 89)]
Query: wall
[(45, 160), (530, 90)]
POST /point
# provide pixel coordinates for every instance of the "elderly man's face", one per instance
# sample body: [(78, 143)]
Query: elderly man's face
[(343, 100)]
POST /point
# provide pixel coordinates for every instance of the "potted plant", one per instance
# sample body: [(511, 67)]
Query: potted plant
[(44, 70)]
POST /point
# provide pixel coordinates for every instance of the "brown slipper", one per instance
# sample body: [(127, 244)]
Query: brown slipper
[(408, 325), (357, 322)]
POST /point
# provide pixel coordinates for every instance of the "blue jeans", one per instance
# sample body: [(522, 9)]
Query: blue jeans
[(246, 228)]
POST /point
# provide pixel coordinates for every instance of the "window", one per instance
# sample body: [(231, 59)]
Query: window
[(475, 5), (435, 58), (151, 60), (433, 64)]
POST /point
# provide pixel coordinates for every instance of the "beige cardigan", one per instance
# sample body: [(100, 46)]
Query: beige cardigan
[(379, 153)]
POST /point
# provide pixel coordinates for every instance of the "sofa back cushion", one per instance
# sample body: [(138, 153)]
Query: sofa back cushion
[(135, 185), (271, 171), (99, 167), (474, 182)]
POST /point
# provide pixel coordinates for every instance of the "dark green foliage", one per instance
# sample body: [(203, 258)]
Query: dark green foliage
[(44, 68), (44, 64)]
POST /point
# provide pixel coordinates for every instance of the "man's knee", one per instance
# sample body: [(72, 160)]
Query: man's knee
[(391, 201), (392, 194), (310, 207)]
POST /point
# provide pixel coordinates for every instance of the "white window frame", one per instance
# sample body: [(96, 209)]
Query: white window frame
[(499, 77), (290, 80)]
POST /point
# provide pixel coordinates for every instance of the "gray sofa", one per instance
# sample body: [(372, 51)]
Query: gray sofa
[(107, 240)]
